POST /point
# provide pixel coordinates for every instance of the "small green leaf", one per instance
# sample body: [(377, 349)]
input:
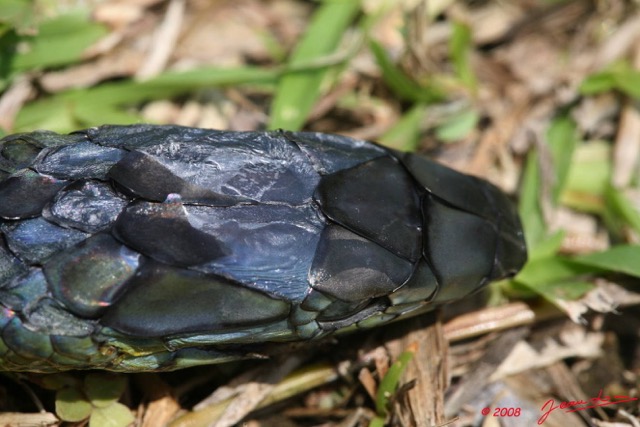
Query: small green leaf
[(458, 126), (619, 76), (597, 83), (115, 415), (628, 82), (104, 389), (58, 381), (71, 405)]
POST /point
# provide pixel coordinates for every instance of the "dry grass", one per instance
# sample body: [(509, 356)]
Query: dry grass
[(520, 70)]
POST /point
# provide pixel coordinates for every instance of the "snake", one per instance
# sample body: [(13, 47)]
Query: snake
[(144, 247)]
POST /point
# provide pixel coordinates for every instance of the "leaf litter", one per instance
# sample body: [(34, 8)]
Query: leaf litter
[(482, 105)]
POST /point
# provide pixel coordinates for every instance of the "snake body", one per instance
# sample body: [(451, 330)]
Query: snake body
[(144, 248)]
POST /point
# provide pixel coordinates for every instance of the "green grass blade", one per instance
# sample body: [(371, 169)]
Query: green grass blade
[(589, 177), (620, 209), (556, 279), (389, 383), (174, 83), (60, 41), (458, 125), (597, 83), (619, 76), (53, 113), (402, 86), (18, 14), (549, 246), (529, 208), (562, 140), (628, 82), (299, 89), (621, 259), (103, 104), (405, 134), (542, 271), (460, 46), (559, 293)]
